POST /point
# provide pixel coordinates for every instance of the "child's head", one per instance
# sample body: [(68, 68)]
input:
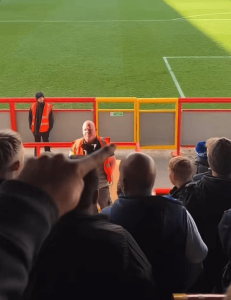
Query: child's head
[(210, 142), (180, 170)]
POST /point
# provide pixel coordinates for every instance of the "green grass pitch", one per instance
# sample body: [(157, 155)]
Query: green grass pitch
[(88, 48)]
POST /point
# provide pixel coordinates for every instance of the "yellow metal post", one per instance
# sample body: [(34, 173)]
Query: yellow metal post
[(97, 116), (157, 101)]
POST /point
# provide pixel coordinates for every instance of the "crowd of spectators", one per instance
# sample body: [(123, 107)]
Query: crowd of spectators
[(54, 244)]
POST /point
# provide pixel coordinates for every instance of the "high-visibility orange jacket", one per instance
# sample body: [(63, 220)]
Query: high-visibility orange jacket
[(44, 127), (109, 163)]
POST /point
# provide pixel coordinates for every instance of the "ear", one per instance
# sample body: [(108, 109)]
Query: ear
[(175, 177), (95, 197), (15, 166)]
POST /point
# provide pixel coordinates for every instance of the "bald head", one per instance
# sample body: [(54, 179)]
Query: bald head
[(89, 131), (138, 174)]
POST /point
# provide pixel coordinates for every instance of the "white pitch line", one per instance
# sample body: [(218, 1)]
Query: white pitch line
[(108, 21), (214, 14), (197, 57), (174, 78), (203, 19), (81, 21)]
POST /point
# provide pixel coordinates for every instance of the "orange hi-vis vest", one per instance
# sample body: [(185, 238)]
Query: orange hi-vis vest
[(44, 126), (109, 163)]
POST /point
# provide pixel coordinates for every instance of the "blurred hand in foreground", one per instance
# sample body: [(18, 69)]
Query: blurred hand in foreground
[(62, 178)]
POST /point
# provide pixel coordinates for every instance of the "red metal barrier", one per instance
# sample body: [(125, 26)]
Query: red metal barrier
[(13, 101), (163, 191), (41, 145), (128, 144), (195, 100), (69, 144)]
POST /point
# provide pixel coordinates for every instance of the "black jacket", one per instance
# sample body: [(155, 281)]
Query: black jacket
[(26, 217), (202, 165), (85, 256), (206, 200), (38, 118), (200, 175), (159, 225), (178, 193), (225, 236), (225, 232)]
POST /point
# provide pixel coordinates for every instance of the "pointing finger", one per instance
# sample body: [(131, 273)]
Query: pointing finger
[(90, 162)]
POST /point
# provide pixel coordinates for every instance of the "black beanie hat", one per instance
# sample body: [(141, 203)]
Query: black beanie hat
[(39, 95)]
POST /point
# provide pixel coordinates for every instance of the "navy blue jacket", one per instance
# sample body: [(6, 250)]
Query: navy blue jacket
[(159, 225)]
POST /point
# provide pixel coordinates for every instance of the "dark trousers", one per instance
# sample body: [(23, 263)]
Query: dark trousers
[(104, 199), (37, 139)]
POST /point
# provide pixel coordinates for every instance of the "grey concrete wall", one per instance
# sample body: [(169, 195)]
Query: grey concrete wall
[(200, 126), (119, 129), (5, 120), (157, 129), (23, 126), (67, 125)]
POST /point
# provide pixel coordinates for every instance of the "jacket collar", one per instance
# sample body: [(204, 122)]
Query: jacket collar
[(75, 216), (217, 185)]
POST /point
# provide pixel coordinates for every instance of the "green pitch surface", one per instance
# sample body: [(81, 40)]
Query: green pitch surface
[(82, 48)]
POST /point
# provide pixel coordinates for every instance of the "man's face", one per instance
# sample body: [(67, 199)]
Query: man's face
[(40, 100), (89, 132)]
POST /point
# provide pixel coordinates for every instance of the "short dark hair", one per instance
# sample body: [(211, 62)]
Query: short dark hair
[(220, 157), (182, 167), (91, 184), (39, 95), (10, 143)]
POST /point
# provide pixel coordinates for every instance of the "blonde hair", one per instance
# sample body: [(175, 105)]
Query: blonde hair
[(210, 142), (182, 167)]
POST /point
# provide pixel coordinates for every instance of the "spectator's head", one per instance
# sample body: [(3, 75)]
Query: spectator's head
[(89, 131), (11, 154), (138, 175), (180, 170), (39, 97), (220, 158), (201, 150), (89, 196), (210, 142)]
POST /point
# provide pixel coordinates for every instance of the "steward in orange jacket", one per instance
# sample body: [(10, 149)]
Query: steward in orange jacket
[(87, 145), (41, 119), (109, 164)]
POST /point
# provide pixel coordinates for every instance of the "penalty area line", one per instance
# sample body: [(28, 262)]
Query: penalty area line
[(174, 77)]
